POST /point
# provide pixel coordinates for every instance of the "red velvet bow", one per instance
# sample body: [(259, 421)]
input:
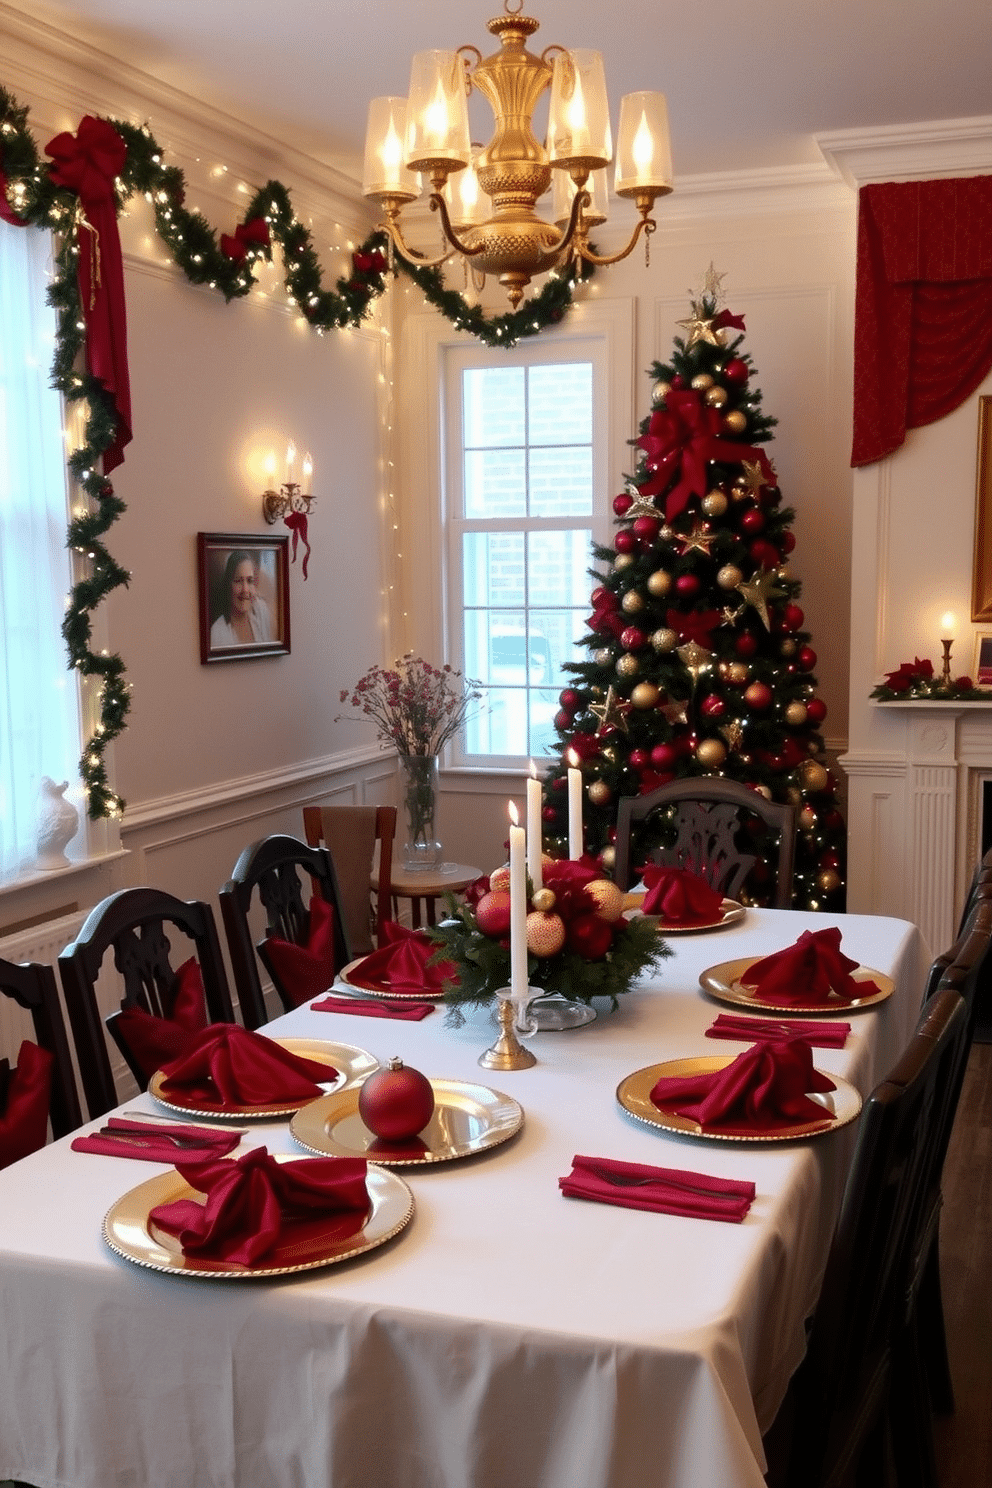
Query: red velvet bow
[(605, 616), (87, 163), (725, 319), (694, 625), (682, 438), (246, 235), (298, 526)]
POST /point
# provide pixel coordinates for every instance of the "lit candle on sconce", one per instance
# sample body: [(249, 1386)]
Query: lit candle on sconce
[(270, 470), (518, 910), (534, 830), (306, 484), (574, 805), (290, 463), (948, 624)]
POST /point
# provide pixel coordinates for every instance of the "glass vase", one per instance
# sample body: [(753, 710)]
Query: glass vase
[(418, 784)]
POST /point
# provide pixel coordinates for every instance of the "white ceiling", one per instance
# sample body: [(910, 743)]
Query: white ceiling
[(749, 85)]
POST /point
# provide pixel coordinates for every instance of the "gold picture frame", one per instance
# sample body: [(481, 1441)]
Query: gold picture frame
[(981, 581), (982, 664)]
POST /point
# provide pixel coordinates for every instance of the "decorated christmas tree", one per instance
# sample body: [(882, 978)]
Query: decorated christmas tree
[(698, 662)]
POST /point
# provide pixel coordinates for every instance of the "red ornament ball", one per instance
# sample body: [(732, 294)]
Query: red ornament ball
[(639, 759), (736, 371), (807, 658), (713, 706), (816, 710), (569, 698), (548, 814), (396, 1103), (746, 643), (688, 585), (793, 617), (646, 529), (622, 503), (764, 553), (633, 639), (664, 756), (758, 696), (563, 719), (787, 541), (752, 521), (492, 913), (625, 541), (678, 381)]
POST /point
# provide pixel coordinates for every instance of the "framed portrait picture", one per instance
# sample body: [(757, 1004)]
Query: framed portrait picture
[(244, 596), (981, 583), (982, 667)]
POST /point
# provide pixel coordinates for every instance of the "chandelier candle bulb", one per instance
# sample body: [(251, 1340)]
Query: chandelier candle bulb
[(534, 829), (518, 911), (574, 806)]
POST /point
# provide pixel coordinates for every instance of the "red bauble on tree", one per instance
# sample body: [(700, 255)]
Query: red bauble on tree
[(622, 504), (736, 371)]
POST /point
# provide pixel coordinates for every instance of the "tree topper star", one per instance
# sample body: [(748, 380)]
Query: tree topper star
[(713, 283), (699, 327)]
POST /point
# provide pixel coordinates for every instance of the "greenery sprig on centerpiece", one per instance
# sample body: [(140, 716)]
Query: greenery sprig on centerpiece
[(600, 952)]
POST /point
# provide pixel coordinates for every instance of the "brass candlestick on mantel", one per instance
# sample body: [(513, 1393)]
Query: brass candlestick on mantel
[(946, 641), (507, 1053)]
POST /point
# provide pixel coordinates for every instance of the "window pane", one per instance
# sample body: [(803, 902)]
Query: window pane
[(493, 407), (560, 403), (493, 568), (495, 483), (557, 567), (561, 481)]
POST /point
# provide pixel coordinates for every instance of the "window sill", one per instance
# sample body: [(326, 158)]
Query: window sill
[(34, 878)]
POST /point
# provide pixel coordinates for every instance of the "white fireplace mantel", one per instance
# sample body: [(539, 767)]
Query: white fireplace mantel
[(915, 811)]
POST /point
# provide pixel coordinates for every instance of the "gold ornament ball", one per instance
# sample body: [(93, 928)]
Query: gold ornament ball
[(716, 397), (735, 422), (545, 933), (807, 818), (659, 582), (714, 503), (633, 602), (599, 792), (544, 900), (738, 673), (828, 880), (711, 753), (813, 775), (628, 665), (794, 796), (795, 714), (645, 695), (660, 392), (729, 576), (788, 647), (622, 561), (608, 858), (609, 899), (603, 656), (665, 639), (702, 381)]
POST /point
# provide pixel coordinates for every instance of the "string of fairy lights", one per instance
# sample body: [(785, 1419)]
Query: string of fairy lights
[(196, 248)]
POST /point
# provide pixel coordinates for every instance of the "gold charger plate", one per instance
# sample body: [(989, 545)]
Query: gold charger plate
[(731, 913), (129, 1232), (353, 1066), (841, 1106), (425, 994), (467, 1119), (724, 983)]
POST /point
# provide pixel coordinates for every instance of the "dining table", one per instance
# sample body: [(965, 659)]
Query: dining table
[(507, 1335)]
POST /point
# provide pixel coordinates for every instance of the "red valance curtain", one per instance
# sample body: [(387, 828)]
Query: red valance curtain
[(923, 315)]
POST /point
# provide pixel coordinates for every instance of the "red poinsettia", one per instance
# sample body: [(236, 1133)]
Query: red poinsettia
[(908, 674)]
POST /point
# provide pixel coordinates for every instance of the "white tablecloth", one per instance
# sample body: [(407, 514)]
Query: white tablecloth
[(508, 1337)]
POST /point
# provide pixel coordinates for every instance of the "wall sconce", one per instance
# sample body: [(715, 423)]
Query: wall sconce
[(293, 495)]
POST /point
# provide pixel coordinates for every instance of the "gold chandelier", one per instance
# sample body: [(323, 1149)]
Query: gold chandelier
[(491, 219)]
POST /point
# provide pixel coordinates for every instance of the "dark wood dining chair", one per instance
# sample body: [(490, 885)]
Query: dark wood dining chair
[(277, 870), (350, 834), (33, 987), (858, 1401), (703, 824), (133, 922)]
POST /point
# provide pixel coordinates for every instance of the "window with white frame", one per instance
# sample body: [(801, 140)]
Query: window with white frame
[(39, 710), (525, 459)]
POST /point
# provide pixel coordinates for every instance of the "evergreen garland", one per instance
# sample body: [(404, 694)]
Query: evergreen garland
[(196, 250)]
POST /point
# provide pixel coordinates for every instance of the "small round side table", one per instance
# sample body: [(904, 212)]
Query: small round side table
[(429, 885)]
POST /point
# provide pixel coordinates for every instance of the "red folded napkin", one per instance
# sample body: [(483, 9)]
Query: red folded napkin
[(412, 1012), (234, 1066), (665, 1190), (154, 1041), (401, 965), (24, 1120), (152, 1143), (817, 1035), (808, 971), (679, 897), (304, 971), (761, 1089), (255, 1205)]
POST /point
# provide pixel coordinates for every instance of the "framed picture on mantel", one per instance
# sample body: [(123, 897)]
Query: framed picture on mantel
[(244, 596), (981, 583)]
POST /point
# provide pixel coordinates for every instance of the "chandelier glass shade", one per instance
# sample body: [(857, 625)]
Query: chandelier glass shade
[(486, 196)]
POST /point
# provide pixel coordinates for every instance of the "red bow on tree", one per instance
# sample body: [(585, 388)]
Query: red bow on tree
[(87, 163), (725, 319), (694, 625), (682, 438), (246, 235)]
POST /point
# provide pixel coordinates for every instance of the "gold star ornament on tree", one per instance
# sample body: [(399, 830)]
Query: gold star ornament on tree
[(610, 712), (699, 328), (757, 591)]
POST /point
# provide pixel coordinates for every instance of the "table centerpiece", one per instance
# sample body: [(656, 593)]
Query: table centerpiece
[(580, 944)]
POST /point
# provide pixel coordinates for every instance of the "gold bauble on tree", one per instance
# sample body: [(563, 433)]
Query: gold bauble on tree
[(544, 900), (645, 695), (622, 561), (716, 397), (795, 714), (603, 656), (599, 792), (813, 775), (659, 582), (828, 880), (729, 576), (787, 647), (633, 602), (711, 753), (714, 503), (702, 381), (807, 818), (627, 665), (608, 858), (735, 422), (660, 392), (665, 639), (738, 673)]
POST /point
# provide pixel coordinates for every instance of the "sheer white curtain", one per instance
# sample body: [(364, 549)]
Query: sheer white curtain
[(39, 708)]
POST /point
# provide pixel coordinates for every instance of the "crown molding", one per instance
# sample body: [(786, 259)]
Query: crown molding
[(911, 152)]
